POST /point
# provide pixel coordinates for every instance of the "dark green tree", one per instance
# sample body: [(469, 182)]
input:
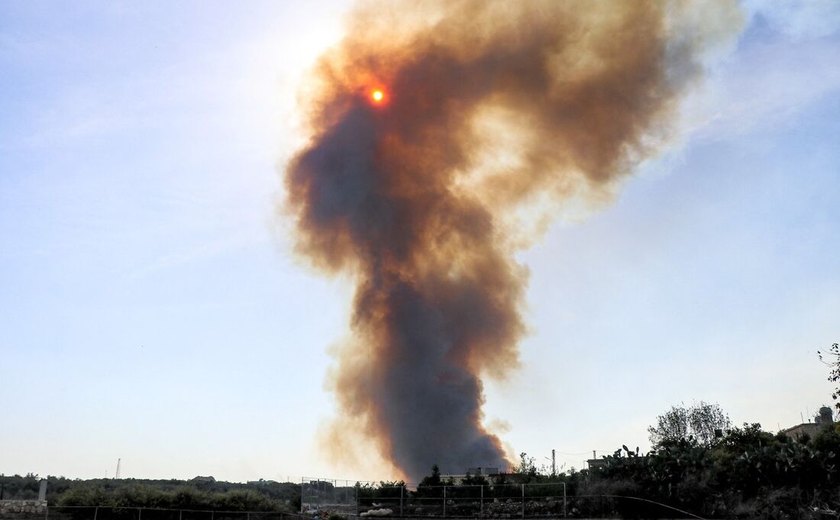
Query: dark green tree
[(432, 485), (433, 479)]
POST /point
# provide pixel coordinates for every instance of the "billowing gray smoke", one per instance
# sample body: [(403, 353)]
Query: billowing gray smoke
[(483, 108)]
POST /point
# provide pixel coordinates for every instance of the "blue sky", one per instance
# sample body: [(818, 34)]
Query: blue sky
[(151, 310)]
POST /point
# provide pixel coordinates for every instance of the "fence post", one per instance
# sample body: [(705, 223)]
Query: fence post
[(180, 513), (402, 488), (564, 500), (444, 501), (481, 503), (95, 512), (523, 500)]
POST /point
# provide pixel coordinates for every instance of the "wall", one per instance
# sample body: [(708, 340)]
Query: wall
[(22, 507)]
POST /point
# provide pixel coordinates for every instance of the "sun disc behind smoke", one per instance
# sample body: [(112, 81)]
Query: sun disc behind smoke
[(377, 96)]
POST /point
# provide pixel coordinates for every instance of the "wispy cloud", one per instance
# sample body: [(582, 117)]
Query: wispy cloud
[(785, 61)]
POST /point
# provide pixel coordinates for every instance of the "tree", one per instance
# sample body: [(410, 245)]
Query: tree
[(748, 473), (526, 465), (832, 359), (433, 479), (430, 486), (701, 421)]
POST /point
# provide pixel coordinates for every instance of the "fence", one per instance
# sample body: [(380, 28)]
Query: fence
[(321, 499), (318, 494), (448, 501), (453, 505), (143, 513)]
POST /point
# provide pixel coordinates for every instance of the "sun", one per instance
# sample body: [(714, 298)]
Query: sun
[(377, 96)]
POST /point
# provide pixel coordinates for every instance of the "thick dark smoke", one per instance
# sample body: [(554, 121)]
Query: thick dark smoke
[(489, 107)]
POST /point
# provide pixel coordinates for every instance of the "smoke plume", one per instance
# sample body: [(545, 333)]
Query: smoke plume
[(492, 114)]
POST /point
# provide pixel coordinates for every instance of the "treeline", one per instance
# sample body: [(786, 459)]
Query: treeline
[(740, 473), (746, 473), (199, 493), (743, 473)]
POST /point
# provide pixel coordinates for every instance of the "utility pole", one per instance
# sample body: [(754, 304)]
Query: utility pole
[(553, 465)]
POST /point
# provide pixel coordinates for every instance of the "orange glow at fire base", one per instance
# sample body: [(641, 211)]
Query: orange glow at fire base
[(377, 96)]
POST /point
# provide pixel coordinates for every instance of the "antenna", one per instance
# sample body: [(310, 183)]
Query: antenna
[(117, 474)]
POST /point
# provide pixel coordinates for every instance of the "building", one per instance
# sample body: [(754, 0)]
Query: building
[(824, 420)]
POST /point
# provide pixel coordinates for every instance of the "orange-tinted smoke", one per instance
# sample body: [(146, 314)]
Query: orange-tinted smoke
[(485, 106)]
